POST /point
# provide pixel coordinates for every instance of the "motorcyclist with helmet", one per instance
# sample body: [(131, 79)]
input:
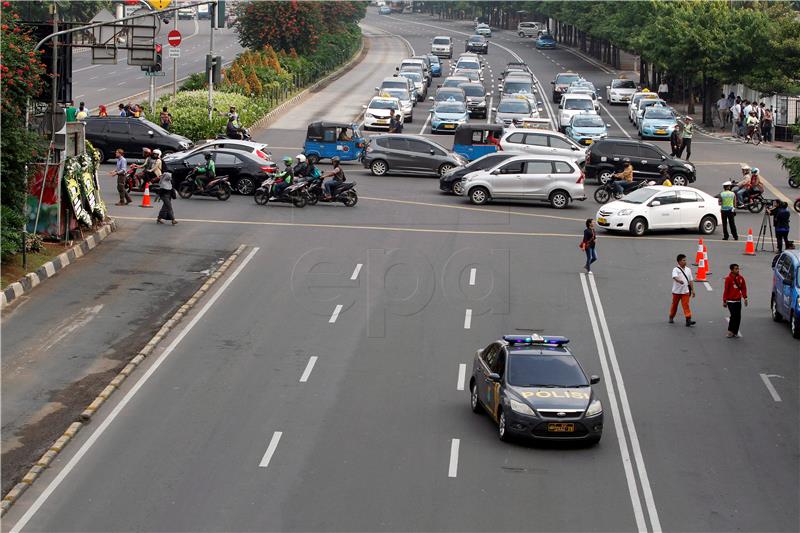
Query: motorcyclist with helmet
[(147, 156), (337, 177), (623, 180), (152, 168), (754, 186), (233, 129), (205, 173), (301, 169), (663, 171), (283, 179)]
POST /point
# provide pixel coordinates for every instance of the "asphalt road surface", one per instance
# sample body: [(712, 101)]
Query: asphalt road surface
[(319, 388)]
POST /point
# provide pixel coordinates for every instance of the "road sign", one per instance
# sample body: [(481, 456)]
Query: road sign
[(159, 4), (174, 38), (174, 52), (155, 74)]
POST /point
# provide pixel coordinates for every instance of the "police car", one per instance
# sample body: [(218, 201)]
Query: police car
[(532, 386)]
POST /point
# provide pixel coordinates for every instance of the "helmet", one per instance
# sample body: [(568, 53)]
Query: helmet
[(662, 168), (335, 159), (754, 170), (301, 158), (727, 184), (745, 167), (207, 155), (626, 160), (287, 160), (146, 151), (157, 152)]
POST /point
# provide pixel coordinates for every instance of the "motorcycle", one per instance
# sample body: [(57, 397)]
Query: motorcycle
[(797, 205), (606, 191), (135, 181), (243, 135), (343, 192), (794, 181), (219, 188), (755, 203), (294, 194)]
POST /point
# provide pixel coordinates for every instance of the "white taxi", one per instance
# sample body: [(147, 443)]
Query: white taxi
[(657, 207), (620, 91), (377, 113)]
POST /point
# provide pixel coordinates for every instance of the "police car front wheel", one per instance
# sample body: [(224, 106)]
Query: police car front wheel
[(502, 432), (474, 403)]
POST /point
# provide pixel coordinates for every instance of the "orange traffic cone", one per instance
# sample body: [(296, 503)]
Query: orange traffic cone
[(750, 247), (705, 258), (699, 255), (146, 197), (701, 271)]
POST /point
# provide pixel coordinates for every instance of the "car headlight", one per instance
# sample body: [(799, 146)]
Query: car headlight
[(595, 408), (689, 166), (184, 144), (482, 104), (603, 135), (625, 212), (522, 408)]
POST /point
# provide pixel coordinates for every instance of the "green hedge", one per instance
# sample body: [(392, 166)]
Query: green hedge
[(189, 110)]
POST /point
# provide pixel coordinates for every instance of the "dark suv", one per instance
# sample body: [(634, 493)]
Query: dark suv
[(131, 134), (477, 44), (605, 157)]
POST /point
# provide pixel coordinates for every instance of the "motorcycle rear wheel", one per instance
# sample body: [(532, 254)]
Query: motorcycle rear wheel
[(185, 190), (261, 197), (350, 199), (756, 206), (299, 201), (601, 195), (312, 199), (223, 194)]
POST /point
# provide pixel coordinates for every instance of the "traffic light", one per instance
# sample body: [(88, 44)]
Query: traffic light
[(214, 64), (157, 66)]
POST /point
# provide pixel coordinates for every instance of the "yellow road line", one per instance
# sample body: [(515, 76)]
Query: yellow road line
[(425, 230)]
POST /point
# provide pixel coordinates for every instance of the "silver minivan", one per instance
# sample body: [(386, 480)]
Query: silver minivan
[(552, 179), (529, 29), (543, 142)]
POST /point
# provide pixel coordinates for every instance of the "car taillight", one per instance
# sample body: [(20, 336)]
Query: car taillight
[(262, 155), (268, 169), (581, 178)]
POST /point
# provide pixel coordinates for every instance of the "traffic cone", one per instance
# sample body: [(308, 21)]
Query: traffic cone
[(699, 255), (705, 258), (146, 197), (750, 247), (701, 271)]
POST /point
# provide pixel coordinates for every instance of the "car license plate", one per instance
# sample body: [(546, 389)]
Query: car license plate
[(560, 427), (661, 132), (588, 141), (626, 98), (602, 220), (449, 126), (383, 121)]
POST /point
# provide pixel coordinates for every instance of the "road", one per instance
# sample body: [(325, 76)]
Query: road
[(104, 84), (319, 387)]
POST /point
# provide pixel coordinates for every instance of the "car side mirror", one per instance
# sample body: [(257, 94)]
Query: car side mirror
[(608, 125), (663, 158), (575, 147), (608, 87), (494, 377), (494, 110), (430, 98), (594, 380), (363, 107), (552, 83), (599, 97), (560, 106), (495, 172), (377, 89), (150, 133), (432, 151), (655, 203)]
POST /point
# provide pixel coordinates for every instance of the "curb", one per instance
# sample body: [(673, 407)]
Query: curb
[(283, 107), (48, 270), (86, 417)]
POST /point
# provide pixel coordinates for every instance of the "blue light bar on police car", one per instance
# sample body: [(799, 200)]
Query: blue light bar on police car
[(535, 339)]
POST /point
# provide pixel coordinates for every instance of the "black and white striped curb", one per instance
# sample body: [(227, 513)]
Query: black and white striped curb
[(49, 269)]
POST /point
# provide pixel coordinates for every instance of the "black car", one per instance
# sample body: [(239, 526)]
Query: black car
[(533, 387), (451, 180), (605, 157), (476, 99), (408, 153), (245, 171), (477, 44), (132, 135)]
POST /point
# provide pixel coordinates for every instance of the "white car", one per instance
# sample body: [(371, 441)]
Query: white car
[(398, 82), (552, 179), (658, 207), (442, 46), (574, 104), (377, 113), (633, 105), (620, 91), (468, 63), (406, 102), (542, 142), (255, 148), (589, 92)]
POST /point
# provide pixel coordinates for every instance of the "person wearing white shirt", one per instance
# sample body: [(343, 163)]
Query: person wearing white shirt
[(722, 110), (736, 111), (663, 90), (682, 290)]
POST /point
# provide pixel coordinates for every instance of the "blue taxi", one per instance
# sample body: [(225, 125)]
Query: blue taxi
[(545, 42), (585, 129), (657, 123), (533, 387), (785, 299), (447, 115), (436, 66)]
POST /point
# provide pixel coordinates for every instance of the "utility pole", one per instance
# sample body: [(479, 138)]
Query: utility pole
[(175, 66), (211, 67)]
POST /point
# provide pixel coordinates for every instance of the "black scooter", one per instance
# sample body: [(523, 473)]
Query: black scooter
[(342, 192), (294, 194), (219, 188)]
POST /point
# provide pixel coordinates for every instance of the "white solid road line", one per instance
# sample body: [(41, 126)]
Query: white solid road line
[(771, 388), (335, 315), (273, 444), (641, 468), (85, 68), (462, 375), (425, 124), (468, 319), (638, 511), (452, 471), (472, 272), (355, 272), (708, 286), (615, 122), (127, 398), (309, 367)]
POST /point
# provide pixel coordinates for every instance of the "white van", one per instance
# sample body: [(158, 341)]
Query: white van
[(530, 29)]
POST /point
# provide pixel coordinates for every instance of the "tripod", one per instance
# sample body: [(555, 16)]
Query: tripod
[(766, 226)]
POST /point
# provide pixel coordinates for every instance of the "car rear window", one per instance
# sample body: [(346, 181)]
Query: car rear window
[(561, 167)]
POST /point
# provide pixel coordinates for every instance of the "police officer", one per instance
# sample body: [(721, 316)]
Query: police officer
[(727, 201)]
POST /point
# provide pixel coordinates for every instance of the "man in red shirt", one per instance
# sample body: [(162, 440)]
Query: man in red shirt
[(735, 291)]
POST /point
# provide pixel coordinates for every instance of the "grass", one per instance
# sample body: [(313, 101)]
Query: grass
[(11, 270)]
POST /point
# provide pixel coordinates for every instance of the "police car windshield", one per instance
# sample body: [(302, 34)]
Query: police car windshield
[(638, 196), (519, 106), (623, 84), (383, 104), (575, 104), (588, 121), (515, 87), (545, 371)]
